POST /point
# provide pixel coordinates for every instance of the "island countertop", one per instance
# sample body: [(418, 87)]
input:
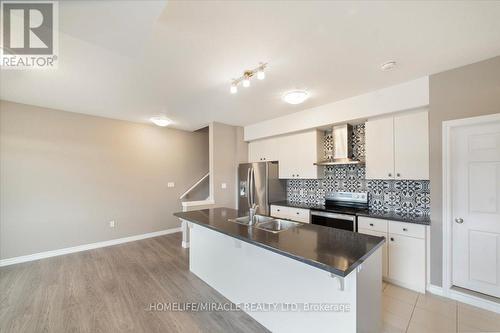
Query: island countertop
[(333, 250)]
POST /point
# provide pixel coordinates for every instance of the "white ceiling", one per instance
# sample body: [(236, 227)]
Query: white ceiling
[(135, 59)]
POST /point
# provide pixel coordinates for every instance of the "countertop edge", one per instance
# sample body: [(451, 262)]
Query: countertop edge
[(307, 261)]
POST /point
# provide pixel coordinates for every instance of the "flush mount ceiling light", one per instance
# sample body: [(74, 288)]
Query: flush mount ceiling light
[(388, 66), (247, 75), (295, 96), (161, 121)]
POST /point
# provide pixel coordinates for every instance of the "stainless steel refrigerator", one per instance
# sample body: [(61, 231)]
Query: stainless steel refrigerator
[(259, 183)]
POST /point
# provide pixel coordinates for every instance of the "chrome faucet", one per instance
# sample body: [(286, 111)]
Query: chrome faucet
[(251, 214)]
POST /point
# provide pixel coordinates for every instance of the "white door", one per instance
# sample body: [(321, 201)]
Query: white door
[(380, 148), (411, 145), (475, 199)]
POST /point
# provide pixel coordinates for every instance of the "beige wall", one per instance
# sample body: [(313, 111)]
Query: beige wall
[(467, 91), (228, 150), (63, 176)]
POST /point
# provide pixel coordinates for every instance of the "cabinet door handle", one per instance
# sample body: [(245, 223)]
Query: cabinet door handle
[(278, 210), (404, 229), (459, 220), (392, 239), (297, 213), (398, 175), (371, 224), (390, 174)]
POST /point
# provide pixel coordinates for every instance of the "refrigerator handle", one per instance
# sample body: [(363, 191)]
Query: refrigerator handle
[(252, 180), (248, 187)]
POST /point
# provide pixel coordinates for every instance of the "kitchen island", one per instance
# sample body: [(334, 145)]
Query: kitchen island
[(306, 278)]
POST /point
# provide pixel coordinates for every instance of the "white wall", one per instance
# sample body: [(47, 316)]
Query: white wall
[(65, 175), (468, 91), (228, 150), (405, 96)]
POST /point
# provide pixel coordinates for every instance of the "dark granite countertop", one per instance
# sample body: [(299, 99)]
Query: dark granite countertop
[(333, 250), (408, 218)]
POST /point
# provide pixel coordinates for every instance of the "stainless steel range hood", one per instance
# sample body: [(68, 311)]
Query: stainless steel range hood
[(342, 147)]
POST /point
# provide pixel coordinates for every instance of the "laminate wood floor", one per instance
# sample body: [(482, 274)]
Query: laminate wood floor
[(111, 290)]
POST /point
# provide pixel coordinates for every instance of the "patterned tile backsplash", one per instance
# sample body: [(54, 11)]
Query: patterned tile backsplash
[(400, 196)]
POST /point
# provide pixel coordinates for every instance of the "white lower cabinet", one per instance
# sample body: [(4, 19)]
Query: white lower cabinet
[(407, 262), (404, 254), (291, 213), (384, 248)]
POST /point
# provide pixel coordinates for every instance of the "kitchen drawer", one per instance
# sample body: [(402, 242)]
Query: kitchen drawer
[(372, 224), (299, 214), (281, 212), (407, 229)]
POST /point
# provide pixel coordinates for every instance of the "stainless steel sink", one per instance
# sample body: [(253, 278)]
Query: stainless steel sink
[(277, 225), (246, 220), (266, 223)]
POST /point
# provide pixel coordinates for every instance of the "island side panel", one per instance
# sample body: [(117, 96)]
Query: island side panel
[(369, 294), (245, 273)]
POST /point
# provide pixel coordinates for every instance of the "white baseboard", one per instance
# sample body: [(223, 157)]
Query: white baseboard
[(436, 290), (404, 285), (67, 250), (474, 300), (466, 298)]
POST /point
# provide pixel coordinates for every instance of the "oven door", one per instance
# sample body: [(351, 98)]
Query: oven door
[(334, 220)]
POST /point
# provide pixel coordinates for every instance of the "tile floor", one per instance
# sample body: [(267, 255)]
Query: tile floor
[(407, 311)]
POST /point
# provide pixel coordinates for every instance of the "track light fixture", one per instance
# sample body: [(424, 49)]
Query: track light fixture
[(245, 78)]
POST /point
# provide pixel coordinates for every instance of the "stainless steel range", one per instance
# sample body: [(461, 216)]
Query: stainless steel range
[(340, 210)]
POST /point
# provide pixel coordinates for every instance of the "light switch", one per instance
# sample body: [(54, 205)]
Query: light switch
[(171, 184), (223, 185)]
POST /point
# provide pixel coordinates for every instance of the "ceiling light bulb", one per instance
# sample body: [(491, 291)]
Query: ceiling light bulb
[(260, 74), (295, 96), (234, 89), (161, 121), (246, 82)]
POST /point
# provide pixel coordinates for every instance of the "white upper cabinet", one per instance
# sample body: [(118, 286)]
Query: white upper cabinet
[(397, 147), (263, 150), (379, 148), (411, 146), (298, 153)]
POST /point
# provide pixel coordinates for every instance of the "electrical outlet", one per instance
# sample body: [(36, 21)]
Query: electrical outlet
[(170, 184), (223, 186), (111, 224)]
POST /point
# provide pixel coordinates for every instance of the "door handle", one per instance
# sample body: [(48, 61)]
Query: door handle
[(459, 220)]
